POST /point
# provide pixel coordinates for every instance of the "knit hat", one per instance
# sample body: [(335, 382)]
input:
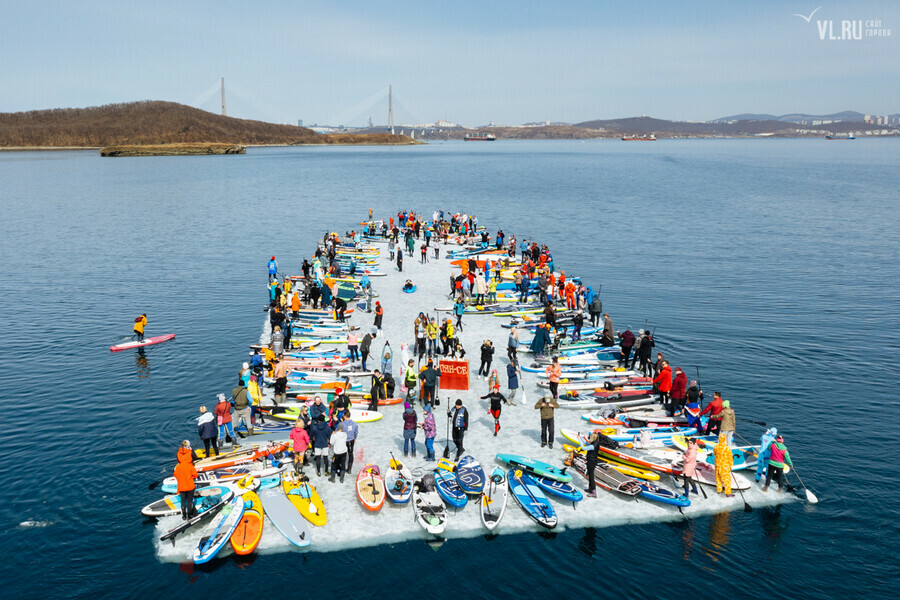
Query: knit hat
[(726, 404), (427, 408)]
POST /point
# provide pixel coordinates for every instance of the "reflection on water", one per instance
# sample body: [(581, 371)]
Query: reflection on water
[(774, 526), (142, 363), (719, 533), (588, 542)]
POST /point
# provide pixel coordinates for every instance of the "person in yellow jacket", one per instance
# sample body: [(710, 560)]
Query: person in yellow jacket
[(431, 331), (724, 462), (255, 394), (139, 325)]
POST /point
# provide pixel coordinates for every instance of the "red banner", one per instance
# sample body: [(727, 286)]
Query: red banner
[(454, 374)]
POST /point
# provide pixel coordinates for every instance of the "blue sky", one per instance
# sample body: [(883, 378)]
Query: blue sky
[(471, 62)]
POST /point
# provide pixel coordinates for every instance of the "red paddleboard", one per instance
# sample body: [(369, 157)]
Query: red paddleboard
[(147, 342)]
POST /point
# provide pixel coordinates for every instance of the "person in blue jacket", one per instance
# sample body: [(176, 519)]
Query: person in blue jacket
[(273, 269), (459, 309), (762, 461)]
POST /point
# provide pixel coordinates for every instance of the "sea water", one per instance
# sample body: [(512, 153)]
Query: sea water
[(769, 264)]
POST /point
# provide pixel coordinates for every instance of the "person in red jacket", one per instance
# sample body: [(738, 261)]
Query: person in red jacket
[(663, 383), (679, 390), (714, 409), (185, 474)]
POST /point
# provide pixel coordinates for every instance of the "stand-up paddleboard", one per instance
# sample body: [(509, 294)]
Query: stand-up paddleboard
[(370, 488), (285, 517), (248, 533), (531, 498), (449, 489), (470, 475), (219, 531), (185, 525), (305, 498), (493, 498), (566, 491), (430, 511), (147, 342), (398, 482), (535, 467), (204, 499), (608, 478)]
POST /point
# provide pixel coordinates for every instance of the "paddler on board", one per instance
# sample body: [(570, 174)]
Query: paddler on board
[(139, 324)]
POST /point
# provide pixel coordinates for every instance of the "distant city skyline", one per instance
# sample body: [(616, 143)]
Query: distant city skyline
[(468, 63)]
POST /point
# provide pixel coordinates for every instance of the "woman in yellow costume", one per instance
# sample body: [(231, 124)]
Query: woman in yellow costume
[(724, 462)]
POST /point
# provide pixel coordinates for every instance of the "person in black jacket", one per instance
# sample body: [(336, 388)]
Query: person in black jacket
[(459, 421), (596, 440), (646, 352), (208, 430), (365, 346), (429, 379), (497, 400), (377, 390), (487, 355)]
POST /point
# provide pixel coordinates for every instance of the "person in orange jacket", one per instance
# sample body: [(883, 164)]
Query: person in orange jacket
[(185, 474), (664, 383), (570, 296), (554, 372)]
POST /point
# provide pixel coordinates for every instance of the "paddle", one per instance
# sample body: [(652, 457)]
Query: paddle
[(447, 445), (760, 423), (810, 497), (747, 507)]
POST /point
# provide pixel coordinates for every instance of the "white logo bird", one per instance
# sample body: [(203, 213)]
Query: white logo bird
[(804, 17)]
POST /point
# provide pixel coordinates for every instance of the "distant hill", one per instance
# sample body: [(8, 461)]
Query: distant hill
[(156, 122), (847, 115), (663, 128)]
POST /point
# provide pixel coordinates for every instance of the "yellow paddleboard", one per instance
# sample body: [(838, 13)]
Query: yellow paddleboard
[(305, 498)]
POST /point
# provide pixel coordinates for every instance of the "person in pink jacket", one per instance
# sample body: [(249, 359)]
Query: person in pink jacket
[(554, 372), (689, 473), (300, 439)]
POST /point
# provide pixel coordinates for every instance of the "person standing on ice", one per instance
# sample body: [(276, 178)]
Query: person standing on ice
[(459, 420), (379, 390), (512, 375), (724, 462), (429, 428), (512, 344), (399, 260), (762, 461), (320, 434), (487, 355), (429, 379), (273, 269), (338, 443), (352, 430), (379, 314), (497, 399), (547, 406), (554, 372), (459, 309), (410, 425)]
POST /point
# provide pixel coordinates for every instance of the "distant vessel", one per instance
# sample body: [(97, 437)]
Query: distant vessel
[(840, 137), (479, 137), (643, 138)]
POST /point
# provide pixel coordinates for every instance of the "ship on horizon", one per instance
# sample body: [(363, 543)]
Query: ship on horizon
[(479, 137), (840, 137)]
